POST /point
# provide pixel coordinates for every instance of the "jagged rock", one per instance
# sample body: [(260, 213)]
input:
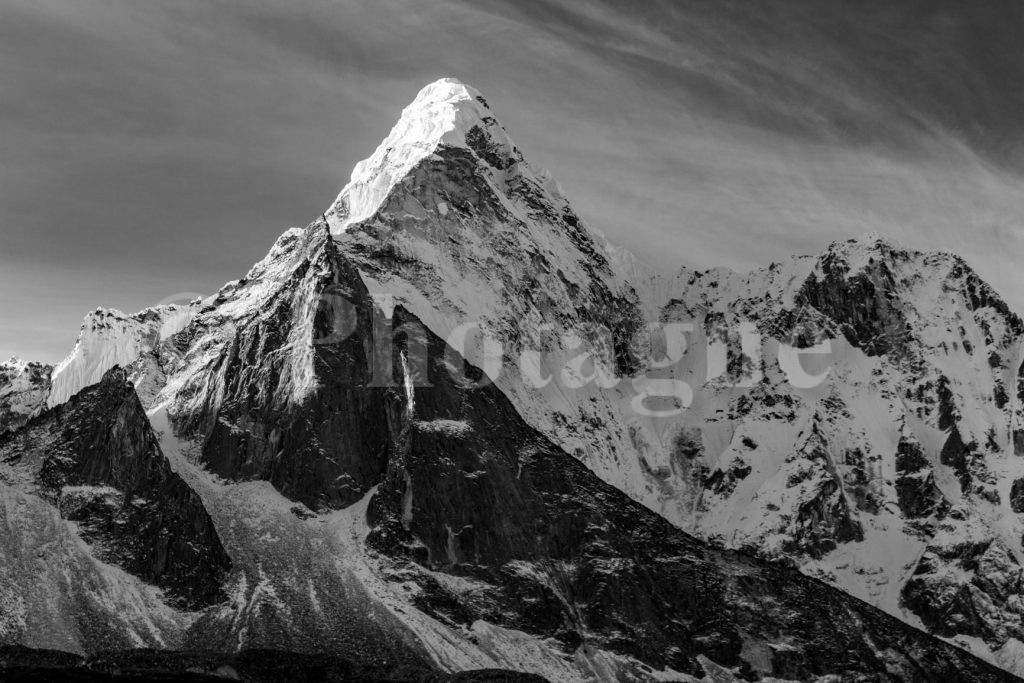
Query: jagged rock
[(966, 583), (724, 482), (859, 302), (24, 388), (823, 517), (916, 491), (324, 448), (97, 460), (554, 551), (1017, 495)]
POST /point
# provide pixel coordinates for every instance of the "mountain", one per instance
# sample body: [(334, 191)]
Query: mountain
[(894, 477), (924, 360), (434, 430)]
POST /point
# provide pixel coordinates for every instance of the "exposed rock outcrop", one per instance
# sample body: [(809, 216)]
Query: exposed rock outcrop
[(313, 431), (97, 460), (548, 548), (24, 388)]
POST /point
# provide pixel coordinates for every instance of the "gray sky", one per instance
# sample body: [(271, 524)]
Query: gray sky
[(155, 148)]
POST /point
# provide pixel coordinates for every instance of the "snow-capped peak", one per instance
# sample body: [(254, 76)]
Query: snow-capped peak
[(443, 113)]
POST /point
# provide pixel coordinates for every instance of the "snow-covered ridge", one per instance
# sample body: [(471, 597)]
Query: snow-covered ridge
[(109, 337), (443, 113)]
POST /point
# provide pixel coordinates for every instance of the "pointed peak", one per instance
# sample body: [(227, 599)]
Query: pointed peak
[(446, 91), (445, 113)]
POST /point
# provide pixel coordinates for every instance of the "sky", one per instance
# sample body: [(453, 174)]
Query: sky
[(151, 151)]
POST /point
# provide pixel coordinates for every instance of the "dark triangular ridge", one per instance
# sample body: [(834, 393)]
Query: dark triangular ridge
[(97, 459)]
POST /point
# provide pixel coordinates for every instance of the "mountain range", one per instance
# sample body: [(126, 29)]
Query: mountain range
[(448, 427)]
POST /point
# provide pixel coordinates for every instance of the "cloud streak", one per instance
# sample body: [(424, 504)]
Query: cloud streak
[(153, 148)]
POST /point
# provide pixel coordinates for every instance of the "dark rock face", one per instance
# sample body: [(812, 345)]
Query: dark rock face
[(466, 488), (948, 605), (859, 480), (329, 449), (917, 493), (473, 491), (861, 304), (724, 481), (460, 178), (481, 143), (980, 295), (825, 519), (257, 666), (957, 455), (1017, 496), (98, 461)]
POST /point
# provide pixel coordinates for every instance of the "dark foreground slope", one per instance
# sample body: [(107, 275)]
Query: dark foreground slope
[(255, 666), (97, 460)]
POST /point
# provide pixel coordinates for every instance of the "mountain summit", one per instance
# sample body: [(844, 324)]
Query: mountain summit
[(445, 113)]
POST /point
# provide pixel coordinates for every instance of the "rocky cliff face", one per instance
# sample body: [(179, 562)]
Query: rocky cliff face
[(913, 428), (97, 460), (268, 397), (465, 233), (480, 534), (543, 546)]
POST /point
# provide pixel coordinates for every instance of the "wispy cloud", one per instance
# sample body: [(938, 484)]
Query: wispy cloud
[(158, 147)]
